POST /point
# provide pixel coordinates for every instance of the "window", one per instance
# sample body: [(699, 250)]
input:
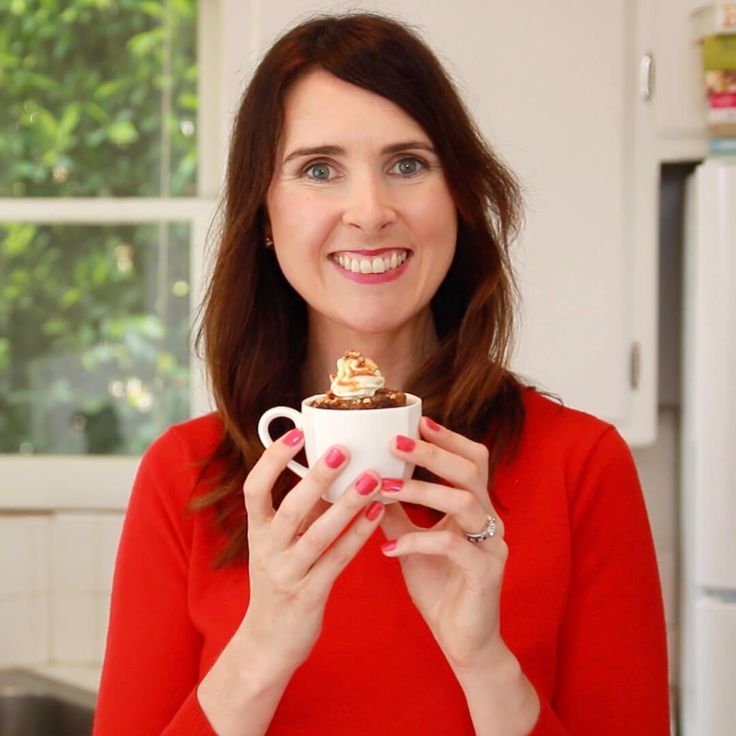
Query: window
[(105, 202)]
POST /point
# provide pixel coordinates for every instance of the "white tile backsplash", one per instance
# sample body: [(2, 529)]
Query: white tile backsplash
[(109, 527), (74, 552), (102, 604), (73, 628), (23, 630), (55, 580), (23, 555)]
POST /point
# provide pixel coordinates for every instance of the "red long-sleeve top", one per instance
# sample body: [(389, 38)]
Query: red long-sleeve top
[(581, 606)]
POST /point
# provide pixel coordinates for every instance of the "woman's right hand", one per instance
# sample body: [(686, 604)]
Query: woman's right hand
[(292, 566)]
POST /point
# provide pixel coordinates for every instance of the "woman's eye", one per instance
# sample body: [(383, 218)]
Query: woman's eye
[(318, 172), (408, 166)]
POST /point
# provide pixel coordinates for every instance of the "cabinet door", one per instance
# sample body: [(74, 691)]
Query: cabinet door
[(552, 87), (678, 94)]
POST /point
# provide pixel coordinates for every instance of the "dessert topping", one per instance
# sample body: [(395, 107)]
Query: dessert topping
[(356, 377)]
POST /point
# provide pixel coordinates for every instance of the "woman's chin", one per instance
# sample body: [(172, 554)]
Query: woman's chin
[(373, 323)]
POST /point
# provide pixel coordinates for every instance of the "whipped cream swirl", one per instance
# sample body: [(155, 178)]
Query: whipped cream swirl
[(357, 377)]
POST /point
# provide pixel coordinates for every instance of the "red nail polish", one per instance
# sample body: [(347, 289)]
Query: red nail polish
[(432, 424), (405, 444), (365, 484), (293, 437), (373, 511), (335, 458), (392, 485), (389, 546)]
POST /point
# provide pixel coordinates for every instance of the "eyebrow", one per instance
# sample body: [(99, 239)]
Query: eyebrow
[(329, 150)]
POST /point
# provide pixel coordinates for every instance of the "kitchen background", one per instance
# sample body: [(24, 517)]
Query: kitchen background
[(598, 105)]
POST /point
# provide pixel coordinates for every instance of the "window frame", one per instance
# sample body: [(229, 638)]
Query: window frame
[(103, 482)]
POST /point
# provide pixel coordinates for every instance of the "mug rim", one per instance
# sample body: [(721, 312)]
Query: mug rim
[(411, 400)]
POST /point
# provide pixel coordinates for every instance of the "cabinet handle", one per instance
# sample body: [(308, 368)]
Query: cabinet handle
[(646, 76), (635, 365)]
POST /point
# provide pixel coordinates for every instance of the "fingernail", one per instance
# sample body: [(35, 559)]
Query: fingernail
[(293, 437), (335, 458), (365, 484), (405, 444), (392, 485), (389, 546), (373, 511), (432, 424)]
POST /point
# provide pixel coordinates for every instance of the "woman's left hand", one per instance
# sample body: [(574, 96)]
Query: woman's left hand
[(454, 583)]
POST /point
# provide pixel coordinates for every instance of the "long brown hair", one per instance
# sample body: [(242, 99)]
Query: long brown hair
[(254, 325)]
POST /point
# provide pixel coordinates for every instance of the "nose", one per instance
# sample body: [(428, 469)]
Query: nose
[(369, 205)]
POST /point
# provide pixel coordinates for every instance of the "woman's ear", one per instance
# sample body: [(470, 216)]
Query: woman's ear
[(267, 234)]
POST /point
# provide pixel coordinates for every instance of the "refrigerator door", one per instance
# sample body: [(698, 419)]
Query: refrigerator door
[(710, 378), (707, 666), (715, 623)]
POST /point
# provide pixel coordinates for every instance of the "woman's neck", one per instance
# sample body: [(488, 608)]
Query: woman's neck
[(396, 353)]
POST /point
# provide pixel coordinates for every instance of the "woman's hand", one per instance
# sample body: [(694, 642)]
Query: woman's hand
[(295, 555), (454, 583)]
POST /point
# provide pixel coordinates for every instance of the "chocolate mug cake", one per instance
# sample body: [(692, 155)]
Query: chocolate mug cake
[(358, 384)]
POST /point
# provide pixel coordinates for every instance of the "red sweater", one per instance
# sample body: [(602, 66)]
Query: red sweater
[(580, 606)]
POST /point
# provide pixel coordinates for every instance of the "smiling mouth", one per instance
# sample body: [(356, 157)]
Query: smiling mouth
[(376, 264)]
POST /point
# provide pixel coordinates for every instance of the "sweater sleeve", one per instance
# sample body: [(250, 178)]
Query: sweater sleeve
[(612, 654), (150, 671)]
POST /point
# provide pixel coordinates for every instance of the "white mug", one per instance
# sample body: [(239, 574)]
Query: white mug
[(366, 433)]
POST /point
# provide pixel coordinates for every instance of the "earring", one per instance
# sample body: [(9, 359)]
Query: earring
[(268, 242)]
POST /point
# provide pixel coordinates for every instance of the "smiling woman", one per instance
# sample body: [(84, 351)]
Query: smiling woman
[(364, 213), (361, 208)]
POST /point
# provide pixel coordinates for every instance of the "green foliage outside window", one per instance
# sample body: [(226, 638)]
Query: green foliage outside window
[(99, 99)]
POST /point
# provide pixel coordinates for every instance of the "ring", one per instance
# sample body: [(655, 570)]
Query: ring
[(486, 533)]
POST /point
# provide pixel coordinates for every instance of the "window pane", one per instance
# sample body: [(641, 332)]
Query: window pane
[(99, 98), (94, 328)]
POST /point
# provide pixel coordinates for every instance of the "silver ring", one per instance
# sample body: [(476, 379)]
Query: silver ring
[(486, 533)]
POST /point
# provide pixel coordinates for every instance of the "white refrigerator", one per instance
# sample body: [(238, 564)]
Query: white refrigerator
[(707, 670)]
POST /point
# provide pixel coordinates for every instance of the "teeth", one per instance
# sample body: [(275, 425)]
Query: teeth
[(371, 265)]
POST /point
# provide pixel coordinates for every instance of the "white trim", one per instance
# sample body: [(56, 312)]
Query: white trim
[(211, 138), (92, 210), (66, 482), (203, 229)]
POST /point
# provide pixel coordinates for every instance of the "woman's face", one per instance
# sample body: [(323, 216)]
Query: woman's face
[(362, 219)]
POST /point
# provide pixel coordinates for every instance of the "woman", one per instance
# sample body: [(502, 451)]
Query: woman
[(242, 603)]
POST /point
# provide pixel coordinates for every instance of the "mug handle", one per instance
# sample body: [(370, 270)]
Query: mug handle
[(281, 412)]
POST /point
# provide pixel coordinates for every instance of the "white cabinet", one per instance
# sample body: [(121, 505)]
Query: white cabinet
[(553, 87), (678, 99)]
